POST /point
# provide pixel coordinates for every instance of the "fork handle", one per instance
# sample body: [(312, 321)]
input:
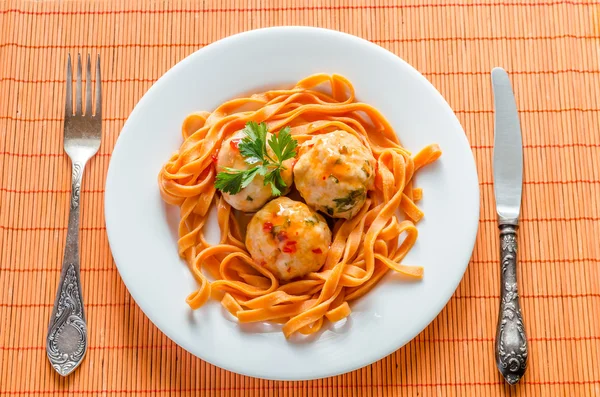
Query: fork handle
[(66, 342), (511, 339)]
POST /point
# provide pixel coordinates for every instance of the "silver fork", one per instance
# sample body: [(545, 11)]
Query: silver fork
[(66, 342)]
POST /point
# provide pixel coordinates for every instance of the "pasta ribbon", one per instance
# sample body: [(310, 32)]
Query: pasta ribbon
[(364, 248)]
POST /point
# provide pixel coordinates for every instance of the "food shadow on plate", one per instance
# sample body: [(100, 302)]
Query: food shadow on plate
[(395, 278), (329, 330), (172, 219), (205, 315)]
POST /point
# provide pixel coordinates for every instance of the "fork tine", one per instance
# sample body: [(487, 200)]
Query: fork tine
[(98, 90), (69, 96), (88, 87), (78, 100)]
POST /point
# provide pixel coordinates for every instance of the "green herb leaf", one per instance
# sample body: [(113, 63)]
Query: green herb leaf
[(262, 170), (346, 203), (279, 182), (249, 176), (230, 182), (271, 178), (367, 173), (283, 145), (253, 146), (254, 150)]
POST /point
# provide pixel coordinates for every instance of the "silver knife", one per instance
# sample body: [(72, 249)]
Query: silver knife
[(511, 339)]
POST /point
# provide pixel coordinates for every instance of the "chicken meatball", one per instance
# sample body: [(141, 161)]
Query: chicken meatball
[(288, 238), (256, 194), (334, 173)]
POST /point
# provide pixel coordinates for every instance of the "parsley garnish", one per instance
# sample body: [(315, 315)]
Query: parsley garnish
[(346, 203), (309, 221), (367, 173), (253, 147)]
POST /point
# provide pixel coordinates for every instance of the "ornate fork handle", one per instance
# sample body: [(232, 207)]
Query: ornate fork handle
[(66, 342), (511, 340)]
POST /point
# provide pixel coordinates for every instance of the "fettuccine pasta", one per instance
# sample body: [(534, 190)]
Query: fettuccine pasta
[(363, 248)]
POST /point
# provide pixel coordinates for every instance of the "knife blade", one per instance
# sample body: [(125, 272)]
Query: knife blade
[(508, 149), (511, 339)]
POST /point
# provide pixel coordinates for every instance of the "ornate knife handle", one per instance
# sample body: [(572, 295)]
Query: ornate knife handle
[(66, 341), (511, 340)]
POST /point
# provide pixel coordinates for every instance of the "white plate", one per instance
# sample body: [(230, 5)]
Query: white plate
[(142, 229)]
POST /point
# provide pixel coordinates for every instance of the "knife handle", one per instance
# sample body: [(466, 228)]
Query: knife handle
[(511, 340)]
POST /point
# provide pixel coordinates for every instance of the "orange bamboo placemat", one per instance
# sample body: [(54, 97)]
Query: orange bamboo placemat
[(550, 48)]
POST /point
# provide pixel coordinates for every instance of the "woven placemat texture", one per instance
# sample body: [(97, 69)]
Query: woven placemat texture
[(551, 50)]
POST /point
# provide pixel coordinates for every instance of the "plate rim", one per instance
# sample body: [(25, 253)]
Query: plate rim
[(164, 78)]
